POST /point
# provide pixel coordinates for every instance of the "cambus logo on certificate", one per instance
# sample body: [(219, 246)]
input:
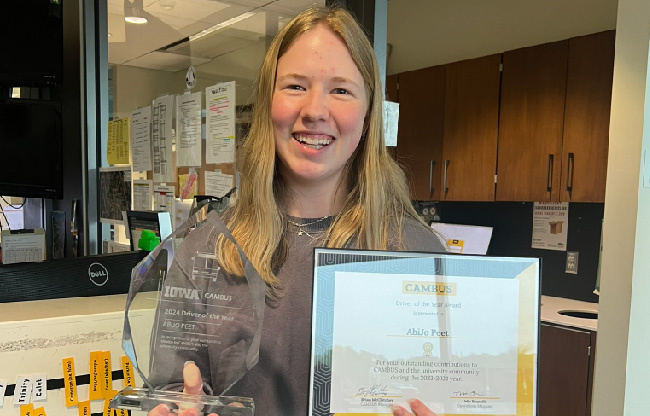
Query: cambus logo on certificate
[(429, 288)]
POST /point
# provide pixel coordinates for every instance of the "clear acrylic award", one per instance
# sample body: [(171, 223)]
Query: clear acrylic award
[(183, 306)]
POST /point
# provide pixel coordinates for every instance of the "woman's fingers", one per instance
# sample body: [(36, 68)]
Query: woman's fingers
[(418, 408), (192, 382), (160, 410)]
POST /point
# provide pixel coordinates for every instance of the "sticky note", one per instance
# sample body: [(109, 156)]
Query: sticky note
[(97, 379), (39, 387), (69, 382), (84, 408), (39, 411), (127, 369), (27, 410), (107, 372), (23, 391)]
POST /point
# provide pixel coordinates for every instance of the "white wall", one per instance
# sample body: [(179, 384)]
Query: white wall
[(622, 360)]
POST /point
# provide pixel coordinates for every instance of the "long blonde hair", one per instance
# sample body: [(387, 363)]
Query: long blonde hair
[(378, 197)]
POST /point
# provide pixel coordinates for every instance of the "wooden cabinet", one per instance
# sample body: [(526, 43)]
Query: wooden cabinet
[(392, 91), (586, 117), (471, 117), (531, 123), (554, 120), (541, 124), (566, 360), (419, 142)]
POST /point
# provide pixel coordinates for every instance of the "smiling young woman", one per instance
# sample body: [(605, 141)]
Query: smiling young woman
[(314, 172)]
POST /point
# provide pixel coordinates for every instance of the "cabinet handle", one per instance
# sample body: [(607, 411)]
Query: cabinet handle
[(431, 165), (444, 186), (569, 174), (549, 174)]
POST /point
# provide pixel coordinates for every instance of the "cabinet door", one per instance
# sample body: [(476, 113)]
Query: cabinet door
[(563, 371), (531, 123), (419, 142), (469, 145), (586, 119), (392, 92)]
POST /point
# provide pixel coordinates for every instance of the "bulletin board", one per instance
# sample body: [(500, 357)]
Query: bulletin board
[(183, 144)]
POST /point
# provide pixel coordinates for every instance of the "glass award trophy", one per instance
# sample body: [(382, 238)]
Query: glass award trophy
[(183, 306)]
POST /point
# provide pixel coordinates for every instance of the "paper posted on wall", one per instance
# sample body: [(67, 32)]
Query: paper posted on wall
[(550, 225), (19, 246), (220, 123)]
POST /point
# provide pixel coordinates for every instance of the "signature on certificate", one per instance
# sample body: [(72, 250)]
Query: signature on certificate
[(472, 393), (375, 390)]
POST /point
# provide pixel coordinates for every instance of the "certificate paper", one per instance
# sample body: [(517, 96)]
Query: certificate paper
[(457, 332)]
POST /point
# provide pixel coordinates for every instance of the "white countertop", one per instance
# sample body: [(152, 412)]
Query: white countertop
[(55, 308), (552, 305)]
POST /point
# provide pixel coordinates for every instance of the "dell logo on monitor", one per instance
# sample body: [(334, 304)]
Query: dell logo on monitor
[(98, 274)]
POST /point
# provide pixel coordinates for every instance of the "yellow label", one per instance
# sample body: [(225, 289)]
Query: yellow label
[(428, 288), (109, 395), (122, 412), (27, 410), (127, 369), (455, 246), (96, 387), (84, 408), (39, 411), (107, 410), (107, 373), (70, 382)]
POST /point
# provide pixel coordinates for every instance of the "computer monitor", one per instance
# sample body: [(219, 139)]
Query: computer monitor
[(157, 221)]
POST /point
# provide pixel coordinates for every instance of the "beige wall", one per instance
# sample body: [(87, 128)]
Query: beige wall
[(137, 87), (424, 33), (622, 360)]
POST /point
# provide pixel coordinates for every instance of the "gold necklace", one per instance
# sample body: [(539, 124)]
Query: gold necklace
[(301, 231)]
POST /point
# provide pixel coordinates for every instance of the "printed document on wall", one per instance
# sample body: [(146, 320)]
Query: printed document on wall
[(142, 195), (220, 123), (141, 139), (161, 138), (117, 146), (19, 246), (218, 184), (550, 225), (163, 199), (188, 129)]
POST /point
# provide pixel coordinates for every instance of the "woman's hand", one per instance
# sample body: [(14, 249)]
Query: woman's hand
[(418, 408), (192, 384)]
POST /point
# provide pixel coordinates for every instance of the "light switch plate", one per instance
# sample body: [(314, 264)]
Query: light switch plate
[(571, 262)]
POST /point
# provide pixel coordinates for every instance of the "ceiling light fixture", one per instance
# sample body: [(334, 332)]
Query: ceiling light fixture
[(133, 12), (222, 25)]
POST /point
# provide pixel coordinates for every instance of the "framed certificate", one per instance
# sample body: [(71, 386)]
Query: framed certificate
[(458, 332)]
